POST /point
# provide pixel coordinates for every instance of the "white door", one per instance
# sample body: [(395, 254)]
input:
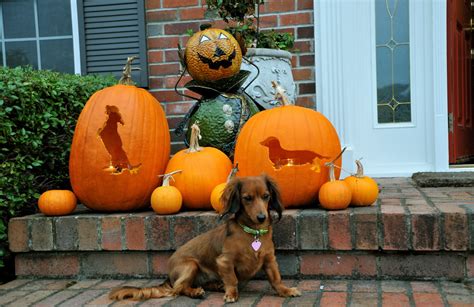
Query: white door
[(375, 81)]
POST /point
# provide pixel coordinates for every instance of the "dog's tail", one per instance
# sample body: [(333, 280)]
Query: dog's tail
[(138, 294)]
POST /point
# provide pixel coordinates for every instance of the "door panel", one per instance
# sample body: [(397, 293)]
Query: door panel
[(460, 84)]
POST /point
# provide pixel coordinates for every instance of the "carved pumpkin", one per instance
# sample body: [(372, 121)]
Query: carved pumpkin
[(364, 189), (57, 202), (334, 194), (120, 144), (166, 199), (202, 168), (291, 144), (212, 54)]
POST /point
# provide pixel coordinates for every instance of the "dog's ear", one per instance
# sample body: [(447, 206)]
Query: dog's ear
[(275, 199), (231, 197)]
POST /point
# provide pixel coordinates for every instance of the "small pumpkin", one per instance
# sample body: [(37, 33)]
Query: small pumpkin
[(364, 189), (57, 202), (120, 143), (212, 54), (334, 194), (202, 168), (216, 194), (291, 144), (166, 199)]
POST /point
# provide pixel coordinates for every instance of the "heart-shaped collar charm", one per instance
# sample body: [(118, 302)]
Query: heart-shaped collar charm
[(256, 245)]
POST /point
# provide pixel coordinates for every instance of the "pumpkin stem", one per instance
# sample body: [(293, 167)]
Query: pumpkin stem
[(332, 176), (194, 139), (280, 94), (168, 176), (126, 78), (233, 171), (360, 169)]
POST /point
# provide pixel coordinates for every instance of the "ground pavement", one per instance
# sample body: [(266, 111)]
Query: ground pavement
[(93, 292)]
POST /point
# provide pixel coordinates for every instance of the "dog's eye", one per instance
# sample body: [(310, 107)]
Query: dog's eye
[(248, 198), (266, 196)]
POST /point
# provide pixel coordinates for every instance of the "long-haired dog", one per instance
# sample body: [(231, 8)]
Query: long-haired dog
[(228, 255)]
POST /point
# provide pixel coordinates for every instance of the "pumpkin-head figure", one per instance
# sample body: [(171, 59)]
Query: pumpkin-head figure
[(212, 54)]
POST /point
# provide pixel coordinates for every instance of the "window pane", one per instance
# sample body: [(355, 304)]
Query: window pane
[(18, 18), (21, 54), (54, 18), (58, 55), (393, 61)]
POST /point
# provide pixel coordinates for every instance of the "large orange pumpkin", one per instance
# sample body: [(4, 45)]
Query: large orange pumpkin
[(212, 54), (202, 168), (291, 144), (121, 144)]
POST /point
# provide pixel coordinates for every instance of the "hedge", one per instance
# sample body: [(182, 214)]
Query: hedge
[(38, 113)]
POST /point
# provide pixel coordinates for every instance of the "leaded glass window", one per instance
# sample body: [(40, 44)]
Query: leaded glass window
[(393, 61)]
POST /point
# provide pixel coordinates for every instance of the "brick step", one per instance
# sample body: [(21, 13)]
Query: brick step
[(422, 233)]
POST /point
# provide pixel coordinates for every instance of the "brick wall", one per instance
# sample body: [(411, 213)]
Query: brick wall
[(167, 22)]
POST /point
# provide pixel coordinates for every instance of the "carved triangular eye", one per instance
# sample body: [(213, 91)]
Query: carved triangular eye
[(204, 38), (222, 36)]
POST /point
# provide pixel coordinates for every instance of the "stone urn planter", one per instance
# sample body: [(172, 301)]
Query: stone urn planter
[(273, 65)]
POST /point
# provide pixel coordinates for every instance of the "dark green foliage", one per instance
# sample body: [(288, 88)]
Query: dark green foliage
[(231, 9), (38, 114)]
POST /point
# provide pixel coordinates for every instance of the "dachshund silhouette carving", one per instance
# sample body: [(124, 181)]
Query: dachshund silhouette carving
[(113, 143), (281, 157)]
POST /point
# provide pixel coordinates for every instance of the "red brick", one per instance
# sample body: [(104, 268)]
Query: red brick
[(334, 285), (365, 225), (456, 228), (270, 300), (338, 265), (364, 286), (192, 13), (172, 55), (309, 285), (42, 234), (423, 286), (395, 299), (305, 32), (174, 121), (395, 233), (364, 299), (160, 264), (114, 263), (296, 19), (334, 299), (164, 69), (181, 28), (178, 108), (83, 297), (394, 286), (306, 88), (268, 22), (165, 96), (303, 46), (163, 42), (156, 56), (158, 232), (18, 235), (161, 16), (153, 4), (303, 74), (305, 5), (184, 228), (278, 6), (470, 266), (306, 101), (111, 233), (307, 60), (425, 230), (339, 231), (135, 233), (180, 3), (46, 265), (428, 299), (88, 234)]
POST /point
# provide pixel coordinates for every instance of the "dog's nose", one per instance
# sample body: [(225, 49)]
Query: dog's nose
[(261, 217)]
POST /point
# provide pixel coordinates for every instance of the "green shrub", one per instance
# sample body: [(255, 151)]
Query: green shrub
[(38, 113)]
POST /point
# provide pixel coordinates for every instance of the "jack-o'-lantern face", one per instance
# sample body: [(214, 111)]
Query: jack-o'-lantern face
[(212, 54)]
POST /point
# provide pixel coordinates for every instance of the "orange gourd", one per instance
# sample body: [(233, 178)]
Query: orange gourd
[(120, 143), (334, 194), (219, 189), (166, 199), (202, 168), (364, 189), (290, 144), (57, 202), (212, 54)]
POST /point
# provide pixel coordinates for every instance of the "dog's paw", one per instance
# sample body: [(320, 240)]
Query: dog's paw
[(231, 296), (289, 292), (196, 292)]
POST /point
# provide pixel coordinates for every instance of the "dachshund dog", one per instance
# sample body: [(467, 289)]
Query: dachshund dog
[(229, 255)]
